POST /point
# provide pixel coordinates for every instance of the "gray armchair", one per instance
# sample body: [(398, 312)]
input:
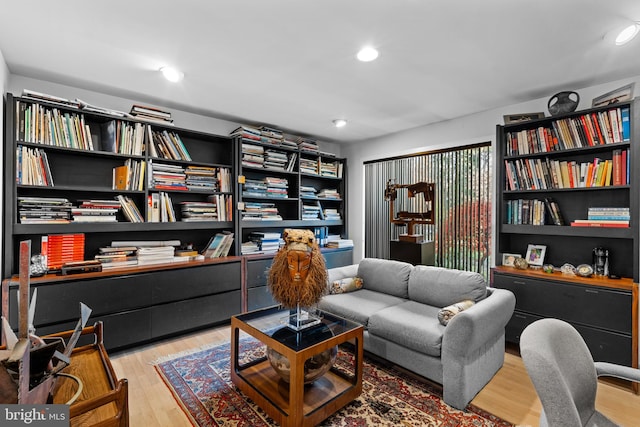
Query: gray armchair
[(565, 375)]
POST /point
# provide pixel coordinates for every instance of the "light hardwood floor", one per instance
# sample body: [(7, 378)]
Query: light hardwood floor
[(510, 394)]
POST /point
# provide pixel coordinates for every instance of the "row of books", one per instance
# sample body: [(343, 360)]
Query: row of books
[(533, 212), (129, 176), (32, 167), (272, 136), (122, 137), (268, 187), (587, 130), (166, 145), (536, 174)]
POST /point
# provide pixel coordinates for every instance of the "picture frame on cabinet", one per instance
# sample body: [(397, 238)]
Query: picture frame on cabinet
[(524, 117), (535, 254), (624, 93), (508, 259)]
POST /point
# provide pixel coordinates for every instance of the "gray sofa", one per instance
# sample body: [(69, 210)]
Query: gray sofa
[(398, 305)]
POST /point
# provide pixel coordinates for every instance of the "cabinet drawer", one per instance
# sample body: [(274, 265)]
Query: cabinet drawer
[(605, 346), (257, 272), (192, 282), (587, 305)]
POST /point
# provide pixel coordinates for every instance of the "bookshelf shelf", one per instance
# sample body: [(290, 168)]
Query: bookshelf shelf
[(526, 163)]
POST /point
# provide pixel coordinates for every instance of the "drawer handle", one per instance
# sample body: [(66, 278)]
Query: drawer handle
[(592, 291), (519, 282), (519, 316)]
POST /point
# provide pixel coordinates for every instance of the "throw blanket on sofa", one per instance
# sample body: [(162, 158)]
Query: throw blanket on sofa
[(447, 313)]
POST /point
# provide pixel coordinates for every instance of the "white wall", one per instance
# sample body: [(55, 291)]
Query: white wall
[(471, 129)]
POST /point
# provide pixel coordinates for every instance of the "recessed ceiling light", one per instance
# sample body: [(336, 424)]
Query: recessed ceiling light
[(172, 74), (626, 35), (339, 123), (367, 54)]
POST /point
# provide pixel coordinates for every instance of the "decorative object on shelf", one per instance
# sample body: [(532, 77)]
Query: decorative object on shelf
[(548, 268), (38, 266), (563, 102), (524, 117), (520, 263), (624, 93), (410, 219), (508, 259), (298, 275), (314, 367), (584, 270), (568, 269), (535, 254), (601, 261)]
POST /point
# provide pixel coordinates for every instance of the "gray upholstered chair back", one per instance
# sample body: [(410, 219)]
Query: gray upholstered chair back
[(562, 370)]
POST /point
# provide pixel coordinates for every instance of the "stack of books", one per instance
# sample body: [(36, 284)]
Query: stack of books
[(201, 178), (340, 243), (151, 114), (249, 247), (260, 212), (96, 211), (331, 214), (59, 249), (198, 211), (305, 144), (155, 255), (267, 242), (44, 210), (329, 169), (308, 192), (605, 217), (308, 166), (329, 193), (168, 177), (252, 155), (277, 187), (275, 159), (270, 135), (112, 258), (254, 188), (310, 212), (247, 133)]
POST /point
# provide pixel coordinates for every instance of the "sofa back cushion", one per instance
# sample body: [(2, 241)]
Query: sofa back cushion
[(441, 287), (383, 275)]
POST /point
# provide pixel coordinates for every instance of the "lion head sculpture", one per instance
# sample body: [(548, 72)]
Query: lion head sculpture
[(298, 275)]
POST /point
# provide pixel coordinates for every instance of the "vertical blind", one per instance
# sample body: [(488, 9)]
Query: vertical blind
[(462, 229)]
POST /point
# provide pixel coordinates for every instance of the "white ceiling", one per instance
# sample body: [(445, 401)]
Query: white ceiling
[(291, 63)]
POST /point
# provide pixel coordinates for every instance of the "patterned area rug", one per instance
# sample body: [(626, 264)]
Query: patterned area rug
[(201, 383)]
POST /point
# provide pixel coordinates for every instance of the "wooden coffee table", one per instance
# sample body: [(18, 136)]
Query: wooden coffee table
[(294, 403)]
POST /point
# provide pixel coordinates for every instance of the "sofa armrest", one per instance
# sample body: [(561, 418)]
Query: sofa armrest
[(472, 328)]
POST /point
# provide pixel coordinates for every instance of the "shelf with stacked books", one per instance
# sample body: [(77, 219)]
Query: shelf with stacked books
[(568, 183), (580, 161), (286, 182), (72, 165)]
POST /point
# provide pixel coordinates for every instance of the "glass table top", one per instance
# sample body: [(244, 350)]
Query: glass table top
[(273, 322)]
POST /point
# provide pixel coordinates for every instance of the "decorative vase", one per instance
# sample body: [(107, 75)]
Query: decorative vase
[(314, 367), (562, 102)]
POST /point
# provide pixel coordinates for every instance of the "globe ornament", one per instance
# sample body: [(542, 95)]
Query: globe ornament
[(314, 367), (563, 102)]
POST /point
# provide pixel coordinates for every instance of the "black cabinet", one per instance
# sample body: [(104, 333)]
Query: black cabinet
[(140, 307), (603, 315)]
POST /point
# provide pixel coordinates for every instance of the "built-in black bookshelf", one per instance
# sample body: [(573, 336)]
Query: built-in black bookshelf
[(556, 179), (71, 155), (301, 189)]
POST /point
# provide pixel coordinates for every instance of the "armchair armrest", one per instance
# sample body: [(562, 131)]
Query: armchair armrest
[(605, 369), (474, 327)]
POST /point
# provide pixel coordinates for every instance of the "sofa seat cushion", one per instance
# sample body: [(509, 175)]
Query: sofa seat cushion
[(411, 325), (440, 287), (358, 305)]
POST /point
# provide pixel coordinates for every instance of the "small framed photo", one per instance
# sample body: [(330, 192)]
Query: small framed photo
[(535, 254), (508, 259), (624, 93), (524, 117)]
